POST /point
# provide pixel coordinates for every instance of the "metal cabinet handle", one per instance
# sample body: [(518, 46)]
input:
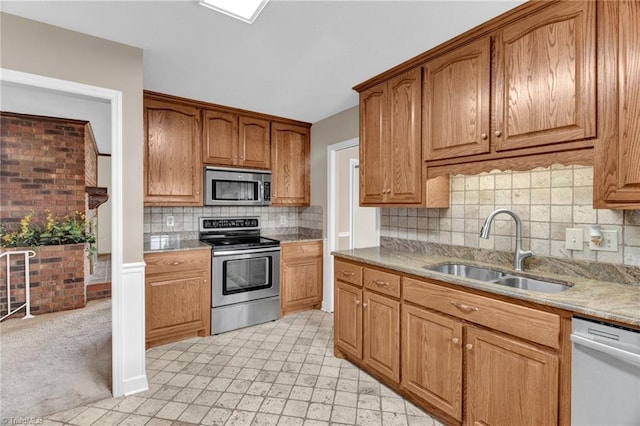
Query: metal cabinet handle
[(469, 346), (173, 263), (483, 136), (464, 307), (348, 273), (357, 302), (381, 283), (498, 133), (455, 340), (364, 305)]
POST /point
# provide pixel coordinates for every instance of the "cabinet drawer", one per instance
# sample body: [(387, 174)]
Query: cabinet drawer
[(178, 261), (383, 282), (348, 272), (308, 249), (527, 323)]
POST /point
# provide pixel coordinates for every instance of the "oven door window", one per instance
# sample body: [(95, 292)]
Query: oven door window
[(233, 190), (242, 275)]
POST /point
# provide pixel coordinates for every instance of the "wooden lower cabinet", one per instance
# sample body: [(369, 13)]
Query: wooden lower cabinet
[(381, 334), (300, 277), (347, 313), (467, 367), (509, 382), (432, 358), (177, 296)]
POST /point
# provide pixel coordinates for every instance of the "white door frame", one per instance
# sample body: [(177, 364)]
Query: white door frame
[(354, 165), (114, 97), (327, 299)]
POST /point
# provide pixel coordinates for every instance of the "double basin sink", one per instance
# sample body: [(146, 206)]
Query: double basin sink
[(499, 277)]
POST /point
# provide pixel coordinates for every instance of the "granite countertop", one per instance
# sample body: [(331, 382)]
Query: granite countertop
[(293, 238), (601, 299), (172, 242)]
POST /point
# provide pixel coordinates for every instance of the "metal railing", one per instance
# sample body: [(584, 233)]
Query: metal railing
[(27, 290)]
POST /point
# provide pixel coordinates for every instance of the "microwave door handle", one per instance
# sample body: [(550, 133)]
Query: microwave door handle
[(260, 191)]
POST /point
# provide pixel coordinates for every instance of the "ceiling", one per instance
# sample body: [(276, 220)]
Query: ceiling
[(299, 59)]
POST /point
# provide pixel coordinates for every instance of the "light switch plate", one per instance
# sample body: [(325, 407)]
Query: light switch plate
[(574, 239), (609, 241)]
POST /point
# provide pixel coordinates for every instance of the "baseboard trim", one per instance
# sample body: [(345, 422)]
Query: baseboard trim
[(135, 385)]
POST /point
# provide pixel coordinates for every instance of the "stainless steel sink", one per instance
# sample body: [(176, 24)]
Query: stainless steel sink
[(468, 271), (498, 277), (531, 284)]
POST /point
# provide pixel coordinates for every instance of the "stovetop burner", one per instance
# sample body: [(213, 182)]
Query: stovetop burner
[(233, 233)]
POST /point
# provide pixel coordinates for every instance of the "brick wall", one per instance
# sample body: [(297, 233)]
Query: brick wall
[(42, 166)]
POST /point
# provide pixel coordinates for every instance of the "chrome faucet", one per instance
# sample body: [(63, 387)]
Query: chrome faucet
[(520, 255)]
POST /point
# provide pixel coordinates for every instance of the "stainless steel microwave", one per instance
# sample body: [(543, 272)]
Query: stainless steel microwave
[(236, 187)]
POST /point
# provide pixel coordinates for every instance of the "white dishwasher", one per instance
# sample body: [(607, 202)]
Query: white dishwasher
[(605, 385)]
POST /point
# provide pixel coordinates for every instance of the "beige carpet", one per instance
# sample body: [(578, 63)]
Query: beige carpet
[(56, 361)]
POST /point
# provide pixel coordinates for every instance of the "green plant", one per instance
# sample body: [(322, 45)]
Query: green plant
[(55, 231)]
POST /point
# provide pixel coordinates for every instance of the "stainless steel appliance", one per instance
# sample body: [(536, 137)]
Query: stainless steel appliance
[(245, 273), (605, 387), (236, 187)]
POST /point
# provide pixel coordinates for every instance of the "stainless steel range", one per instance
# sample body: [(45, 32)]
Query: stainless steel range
[(245, 273)]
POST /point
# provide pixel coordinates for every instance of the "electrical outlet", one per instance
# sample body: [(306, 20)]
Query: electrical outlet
[(283, 220), (609, 241), (574, 239), (170, 221)]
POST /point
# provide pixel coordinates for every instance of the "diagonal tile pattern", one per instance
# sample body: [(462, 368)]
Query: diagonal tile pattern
[(278, 373)]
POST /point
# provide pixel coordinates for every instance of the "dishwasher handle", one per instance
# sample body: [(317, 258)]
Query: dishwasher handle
[(620, 354)]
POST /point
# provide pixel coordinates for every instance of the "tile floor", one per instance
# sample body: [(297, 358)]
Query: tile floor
[(279, 373)]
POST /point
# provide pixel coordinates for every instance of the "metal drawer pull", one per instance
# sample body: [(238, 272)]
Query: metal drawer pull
[(348, 273), (174, 263), (381, 283), (464, 307)]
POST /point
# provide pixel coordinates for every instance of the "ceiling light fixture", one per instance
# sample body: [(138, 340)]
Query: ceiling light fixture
[(244, 10)]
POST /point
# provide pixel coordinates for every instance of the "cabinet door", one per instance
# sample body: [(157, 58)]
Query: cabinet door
[(432, 358), (382, 335), (172, 154), (403, 163), (373, 136), (456, 102), (290, 184), (175, 304), (617, 175), (220, 138), (301, 283), (546, 78), (347, 326), (254, 143), (509, 382)]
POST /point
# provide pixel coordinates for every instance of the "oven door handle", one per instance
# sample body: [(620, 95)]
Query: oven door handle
[(251, 251)]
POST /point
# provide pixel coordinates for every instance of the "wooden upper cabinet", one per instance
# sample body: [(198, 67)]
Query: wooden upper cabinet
[(233, 140), (501, 371), (220, 138), (456, 102), (290, 163), (404, 168), (172, 154), (373, 137), (254, 143), (616, 171), (545, 83), (390, 141)]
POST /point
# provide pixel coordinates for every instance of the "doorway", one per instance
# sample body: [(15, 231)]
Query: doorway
[(120, 358), (349, 225)]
